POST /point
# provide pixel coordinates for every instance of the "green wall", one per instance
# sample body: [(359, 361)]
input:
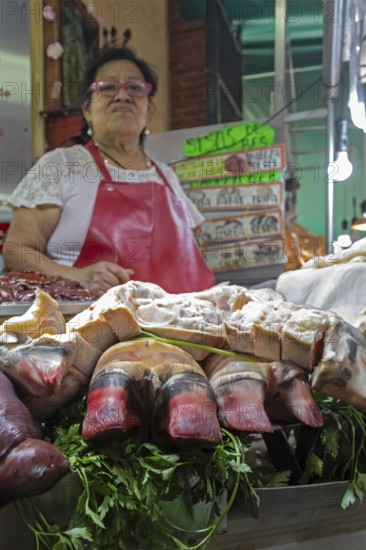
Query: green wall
[(253, 24), (311, 205)]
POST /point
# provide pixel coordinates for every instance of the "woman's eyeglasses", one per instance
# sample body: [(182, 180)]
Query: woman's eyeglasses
[(134, 88)]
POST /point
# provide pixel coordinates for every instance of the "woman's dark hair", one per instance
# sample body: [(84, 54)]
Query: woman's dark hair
[(114, 54)]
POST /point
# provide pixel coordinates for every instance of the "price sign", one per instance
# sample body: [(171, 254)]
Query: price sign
[(242, 255), (254, 225), (243, 166), (230, 138), (237, 197)]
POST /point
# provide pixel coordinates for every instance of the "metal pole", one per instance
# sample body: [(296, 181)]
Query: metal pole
[(280, 66), (329, 192), (333, 34)]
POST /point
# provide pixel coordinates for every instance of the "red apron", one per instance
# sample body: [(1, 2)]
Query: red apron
[(144, 227)]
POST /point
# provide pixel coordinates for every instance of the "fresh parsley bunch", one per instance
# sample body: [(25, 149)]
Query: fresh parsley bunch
[(139, 497)]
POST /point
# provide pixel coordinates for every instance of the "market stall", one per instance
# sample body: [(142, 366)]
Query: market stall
[(150, 419), (147, 456)]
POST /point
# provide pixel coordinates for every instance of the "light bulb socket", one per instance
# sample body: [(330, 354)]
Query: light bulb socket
[(341, 135), (344, 225)]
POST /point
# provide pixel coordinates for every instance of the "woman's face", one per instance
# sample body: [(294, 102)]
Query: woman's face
[(118, 114)]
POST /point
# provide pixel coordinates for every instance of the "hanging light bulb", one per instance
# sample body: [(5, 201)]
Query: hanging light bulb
[(360, 223), (344, 239), (342, 168)]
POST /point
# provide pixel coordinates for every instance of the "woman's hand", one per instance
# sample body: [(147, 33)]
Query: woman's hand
[(101, 276), (25, 248)]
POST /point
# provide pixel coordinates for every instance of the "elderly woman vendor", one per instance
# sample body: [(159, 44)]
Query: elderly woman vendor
[(105, 213)]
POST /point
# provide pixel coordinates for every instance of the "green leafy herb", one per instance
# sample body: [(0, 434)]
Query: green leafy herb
[(139, 496), (281, 479), (341, 446)]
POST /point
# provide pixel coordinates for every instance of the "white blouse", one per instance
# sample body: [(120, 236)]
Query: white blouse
[(69, 178)]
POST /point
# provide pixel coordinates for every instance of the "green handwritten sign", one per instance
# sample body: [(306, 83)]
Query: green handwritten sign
[(230, 138), (263, 177)]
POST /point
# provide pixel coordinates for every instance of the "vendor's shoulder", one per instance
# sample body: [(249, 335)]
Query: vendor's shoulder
[(165, 166), (66, 154), (74, 153)]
